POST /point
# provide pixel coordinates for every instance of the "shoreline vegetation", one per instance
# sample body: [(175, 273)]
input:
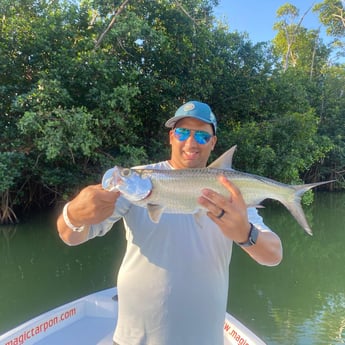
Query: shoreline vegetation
[(87, 85)]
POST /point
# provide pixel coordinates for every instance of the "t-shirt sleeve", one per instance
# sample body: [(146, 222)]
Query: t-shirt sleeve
[(121, 208)]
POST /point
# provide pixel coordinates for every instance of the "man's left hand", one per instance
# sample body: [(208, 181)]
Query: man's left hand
[(229, 213)]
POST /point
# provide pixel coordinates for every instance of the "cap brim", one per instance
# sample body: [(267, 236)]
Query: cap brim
[(172, 122)]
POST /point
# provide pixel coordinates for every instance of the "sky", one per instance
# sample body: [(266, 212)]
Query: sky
[(257, 17)]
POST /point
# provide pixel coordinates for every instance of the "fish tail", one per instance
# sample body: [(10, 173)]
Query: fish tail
[(294, 204)]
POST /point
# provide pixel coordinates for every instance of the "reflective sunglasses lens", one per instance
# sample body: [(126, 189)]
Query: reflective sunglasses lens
[(202, 137), (182, 134)]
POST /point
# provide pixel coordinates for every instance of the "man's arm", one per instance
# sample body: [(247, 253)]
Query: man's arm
[(91, 206), (234, 224), (267, 250)]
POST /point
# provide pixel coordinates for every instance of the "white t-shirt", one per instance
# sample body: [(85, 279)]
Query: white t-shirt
[(173, 281)]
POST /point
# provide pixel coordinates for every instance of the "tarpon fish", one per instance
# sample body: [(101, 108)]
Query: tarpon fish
[(177, 191)]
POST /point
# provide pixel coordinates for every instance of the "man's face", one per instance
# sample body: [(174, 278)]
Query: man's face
[(189, 153)]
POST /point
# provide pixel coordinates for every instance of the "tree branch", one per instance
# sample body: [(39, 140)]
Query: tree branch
[(185, 12), (112, 22)]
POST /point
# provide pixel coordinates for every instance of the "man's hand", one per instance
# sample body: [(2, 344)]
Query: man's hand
[(230, 214), (91, 206)]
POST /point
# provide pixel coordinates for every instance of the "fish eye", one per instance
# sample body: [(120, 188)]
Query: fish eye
[(126, 172)]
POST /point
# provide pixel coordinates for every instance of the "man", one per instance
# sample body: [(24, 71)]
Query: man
[(173, 281)]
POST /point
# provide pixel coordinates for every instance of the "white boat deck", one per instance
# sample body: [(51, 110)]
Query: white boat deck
[(91, 320)]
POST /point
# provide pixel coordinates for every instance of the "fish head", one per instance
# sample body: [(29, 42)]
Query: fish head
[(133, 185)]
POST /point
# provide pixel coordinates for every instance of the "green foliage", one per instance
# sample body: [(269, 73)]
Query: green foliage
[(298, 47), (332, 15), (330, 106), (277, 147), (71, 108), (60, 133), (11, 165)]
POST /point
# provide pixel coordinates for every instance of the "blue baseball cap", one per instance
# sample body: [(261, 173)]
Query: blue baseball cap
[(197, 110)]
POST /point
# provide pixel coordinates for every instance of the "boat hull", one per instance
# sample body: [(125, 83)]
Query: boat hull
[(91, 320)]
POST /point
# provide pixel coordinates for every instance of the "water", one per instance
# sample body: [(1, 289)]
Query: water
[(301, 301), (39, 272)]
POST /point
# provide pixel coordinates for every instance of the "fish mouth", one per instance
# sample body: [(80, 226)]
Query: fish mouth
[(110, 180), (130, 183), (113, 179)]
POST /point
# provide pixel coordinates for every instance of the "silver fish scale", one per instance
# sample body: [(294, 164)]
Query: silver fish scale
[(177, 190)]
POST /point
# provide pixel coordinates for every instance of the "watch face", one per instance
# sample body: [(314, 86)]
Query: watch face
[(254, 233)]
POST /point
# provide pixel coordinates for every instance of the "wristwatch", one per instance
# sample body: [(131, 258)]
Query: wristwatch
[(252, 237)]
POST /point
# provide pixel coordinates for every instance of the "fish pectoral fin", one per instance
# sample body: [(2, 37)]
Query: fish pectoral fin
[(155, 212), (198, 216)]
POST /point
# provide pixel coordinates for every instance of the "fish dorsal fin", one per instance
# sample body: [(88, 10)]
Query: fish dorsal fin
[(225, 160), (155, 212)]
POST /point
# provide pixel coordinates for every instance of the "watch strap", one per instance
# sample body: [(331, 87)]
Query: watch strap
[(252, 237)]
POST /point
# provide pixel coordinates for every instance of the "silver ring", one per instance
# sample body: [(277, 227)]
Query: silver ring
[(221, 214)]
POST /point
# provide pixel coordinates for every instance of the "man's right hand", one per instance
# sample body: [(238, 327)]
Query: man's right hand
[(91, 206)]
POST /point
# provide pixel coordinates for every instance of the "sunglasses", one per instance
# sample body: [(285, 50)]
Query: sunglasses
[(201, 137)]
